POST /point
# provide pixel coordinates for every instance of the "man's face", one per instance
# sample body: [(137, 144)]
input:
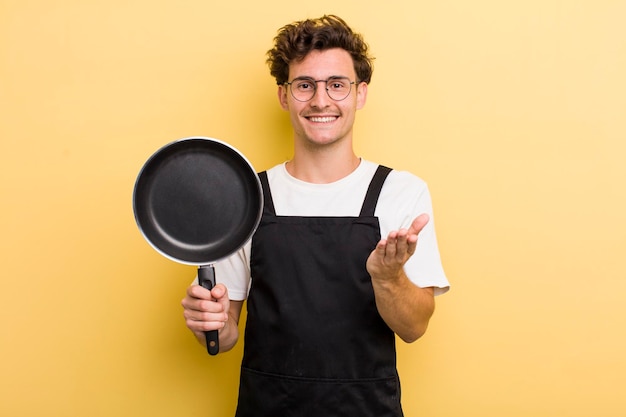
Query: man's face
[(322, 120)]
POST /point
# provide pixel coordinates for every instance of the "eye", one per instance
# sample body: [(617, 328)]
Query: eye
[(338, 84), (304, 85)]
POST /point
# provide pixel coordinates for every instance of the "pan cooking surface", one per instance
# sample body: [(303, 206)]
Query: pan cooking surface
[(197, 201)]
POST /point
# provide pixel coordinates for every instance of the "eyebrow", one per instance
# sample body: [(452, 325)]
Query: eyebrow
[(306, 77)]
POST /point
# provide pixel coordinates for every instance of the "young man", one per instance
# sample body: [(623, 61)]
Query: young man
[(326, 295)]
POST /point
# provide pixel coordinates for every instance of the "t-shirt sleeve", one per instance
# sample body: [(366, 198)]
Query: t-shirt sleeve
[(401, 201), (234, 273)]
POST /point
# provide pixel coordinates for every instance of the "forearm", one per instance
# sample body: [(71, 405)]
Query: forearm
[(405, 307)]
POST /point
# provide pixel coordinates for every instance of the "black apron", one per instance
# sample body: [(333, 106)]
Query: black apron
[(315, 344)]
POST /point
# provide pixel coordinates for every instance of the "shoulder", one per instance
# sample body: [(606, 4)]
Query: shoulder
[(276, 170), (404, 185), (403, 197), (397, 177)]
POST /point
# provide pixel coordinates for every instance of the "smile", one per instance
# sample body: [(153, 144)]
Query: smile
[(325, 119)]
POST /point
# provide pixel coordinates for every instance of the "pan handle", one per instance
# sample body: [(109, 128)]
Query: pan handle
[(206, 278)]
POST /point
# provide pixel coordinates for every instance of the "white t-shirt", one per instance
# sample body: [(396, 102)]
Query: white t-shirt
[(403, 197)]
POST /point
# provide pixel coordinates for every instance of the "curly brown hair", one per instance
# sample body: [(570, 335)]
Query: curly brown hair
[(294, 41)]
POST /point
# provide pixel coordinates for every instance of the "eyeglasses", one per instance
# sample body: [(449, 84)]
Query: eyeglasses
[(304, 88)]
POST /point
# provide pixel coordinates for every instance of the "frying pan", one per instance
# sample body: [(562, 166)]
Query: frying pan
[(196, 201)]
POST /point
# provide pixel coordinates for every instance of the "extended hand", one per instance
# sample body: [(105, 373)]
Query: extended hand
[(387, 259)]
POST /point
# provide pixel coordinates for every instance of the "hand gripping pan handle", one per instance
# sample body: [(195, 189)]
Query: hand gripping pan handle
[(206, 279)]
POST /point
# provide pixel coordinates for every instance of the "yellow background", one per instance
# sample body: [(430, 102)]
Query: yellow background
[(512, 111)]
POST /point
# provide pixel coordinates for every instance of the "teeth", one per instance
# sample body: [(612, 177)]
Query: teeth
[(322, 119)]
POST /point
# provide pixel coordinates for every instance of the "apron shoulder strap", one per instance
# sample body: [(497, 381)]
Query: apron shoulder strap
[(268, 202), (373, 192)]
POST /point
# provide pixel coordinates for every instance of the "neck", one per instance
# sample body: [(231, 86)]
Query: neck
[(322, 165)]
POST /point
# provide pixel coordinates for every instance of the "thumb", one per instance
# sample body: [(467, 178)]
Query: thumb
[(418, 223), (219, 291)]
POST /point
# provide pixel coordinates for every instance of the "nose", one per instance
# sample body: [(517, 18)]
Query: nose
[(320, 96)]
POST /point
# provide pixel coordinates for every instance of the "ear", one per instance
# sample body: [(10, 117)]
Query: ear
[(361, 95), (282, 97)]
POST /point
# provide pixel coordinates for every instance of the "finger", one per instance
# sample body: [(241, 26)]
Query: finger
[(391, 246), (381, 247), (207, 323), (211, 319), (210, 306), (199, 292), (411, 244), (197, 315), (207, 316), (418, 223), (402, 245)]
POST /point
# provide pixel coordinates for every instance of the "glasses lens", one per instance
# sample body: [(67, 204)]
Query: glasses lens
[(338, 88), (303, 90)]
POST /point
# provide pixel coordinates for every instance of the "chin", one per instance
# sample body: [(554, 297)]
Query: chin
[(322, 141)]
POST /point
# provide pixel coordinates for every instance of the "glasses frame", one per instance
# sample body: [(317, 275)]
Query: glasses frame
[(314, 84)]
